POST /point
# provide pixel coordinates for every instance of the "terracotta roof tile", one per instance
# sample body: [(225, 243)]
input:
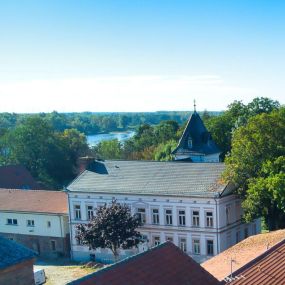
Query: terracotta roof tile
[(266, 269), (242, 253), (40, 201), (163, 265), (17, 177)]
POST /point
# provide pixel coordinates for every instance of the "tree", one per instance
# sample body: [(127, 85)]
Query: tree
[(111, 149), (112, 227), (255, 165)]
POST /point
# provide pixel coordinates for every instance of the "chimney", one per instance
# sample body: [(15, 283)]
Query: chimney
[(83, 163)]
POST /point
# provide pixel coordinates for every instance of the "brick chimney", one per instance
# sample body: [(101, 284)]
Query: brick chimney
[(83, 163)]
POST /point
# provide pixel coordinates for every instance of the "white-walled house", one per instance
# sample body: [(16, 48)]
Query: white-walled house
[(37, 219), (186, 203)]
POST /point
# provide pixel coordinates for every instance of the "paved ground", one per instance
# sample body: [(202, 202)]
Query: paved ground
[(61, 271)]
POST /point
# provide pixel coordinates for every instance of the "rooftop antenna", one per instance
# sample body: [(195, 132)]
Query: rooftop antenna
[(194, 105)]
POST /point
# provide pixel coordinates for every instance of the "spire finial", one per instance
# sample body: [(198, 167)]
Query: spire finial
[(194, 105)]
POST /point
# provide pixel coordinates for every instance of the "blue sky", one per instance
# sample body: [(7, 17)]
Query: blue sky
[(139, 55)]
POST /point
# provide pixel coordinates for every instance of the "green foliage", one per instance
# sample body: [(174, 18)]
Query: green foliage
[(112, 227), (237, 115), (256, 165), (163, 151), (50, 156), (111, 149)]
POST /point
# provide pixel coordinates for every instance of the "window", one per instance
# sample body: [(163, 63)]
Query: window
[(209, 219), (77, 212), (190, 142), (183, 244), (195, 219), (210, 247), (156, 240), (168, 217), (169, 239), (92, 257), (254, 231), (245, 232), (141, 214), (155, 216), (53, 245), (181, 218), (228, 214), (48, 224), (196, 246), (13, 222), (237, 236), (30, 223), (90, 212)]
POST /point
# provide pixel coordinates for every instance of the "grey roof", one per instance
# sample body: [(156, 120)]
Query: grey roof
[(202, 142), (12, 253), (151, 178)]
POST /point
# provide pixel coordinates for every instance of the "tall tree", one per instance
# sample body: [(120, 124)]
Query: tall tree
[(256, 146), (112, 227)]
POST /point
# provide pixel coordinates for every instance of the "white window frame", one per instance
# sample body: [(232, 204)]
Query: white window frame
[(168, 217), (209, 219), (89, 212), (14, 222), (182, 243), (181, 218), (141, 213), (77, 212), (30, 223), (196, 246), (156, 240), (195, 218), (169, 238), (207, 248), (155, 216)]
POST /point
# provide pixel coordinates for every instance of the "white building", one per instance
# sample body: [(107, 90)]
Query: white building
[(183, 202), (37, 219)]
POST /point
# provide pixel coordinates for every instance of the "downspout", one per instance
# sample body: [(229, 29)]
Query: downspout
[(70, 225), (217, 229)]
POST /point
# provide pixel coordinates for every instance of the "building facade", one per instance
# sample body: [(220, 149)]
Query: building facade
[(184, 203), (36, 219)]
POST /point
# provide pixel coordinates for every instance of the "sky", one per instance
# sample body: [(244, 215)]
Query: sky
[(139, 55)]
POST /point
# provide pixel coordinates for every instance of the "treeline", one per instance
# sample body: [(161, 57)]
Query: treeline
[(94, 123)]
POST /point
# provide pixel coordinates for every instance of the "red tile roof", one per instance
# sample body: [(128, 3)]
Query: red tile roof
[(39, 201), (165, 264), (242, 253), (267, 269), (17, 177)]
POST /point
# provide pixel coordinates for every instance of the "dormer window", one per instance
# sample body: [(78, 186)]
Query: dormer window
[(190, 142)]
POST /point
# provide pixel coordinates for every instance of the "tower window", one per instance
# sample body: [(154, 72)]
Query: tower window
[(190, 142)]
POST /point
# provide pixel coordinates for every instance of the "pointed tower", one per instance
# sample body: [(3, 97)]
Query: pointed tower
[(196, 143)]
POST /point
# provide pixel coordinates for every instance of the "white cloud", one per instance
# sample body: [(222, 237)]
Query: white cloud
[(121, 93)]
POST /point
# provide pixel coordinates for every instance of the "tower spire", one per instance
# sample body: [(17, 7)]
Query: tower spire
[(194, 105)]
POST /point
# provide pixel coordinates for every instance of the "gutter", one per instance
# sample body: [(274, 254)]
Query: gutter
[(69, 221)]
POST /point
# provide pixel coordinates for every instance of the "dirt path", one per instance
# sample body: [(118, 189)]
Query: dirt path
[(60, 274)]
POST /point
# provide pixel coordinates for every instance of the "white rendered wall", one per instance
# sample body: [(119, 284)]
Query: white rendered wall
[(58, 224)]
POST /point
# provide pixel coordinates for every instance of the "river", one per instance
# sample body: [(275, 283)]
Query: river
[(121, 136)]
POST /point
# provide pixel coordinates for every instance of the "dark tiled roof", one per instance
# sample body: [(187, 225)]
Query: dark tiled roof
[(151, 178), (241, 253), (17, 177), (201, 139), (12, 253), (163, 265), (266, 269), (38, 201)]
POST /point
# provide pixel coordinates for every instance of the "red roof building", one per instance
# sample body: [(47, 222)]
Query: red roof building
[(17, 177), (266, 269), (165, 264)]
